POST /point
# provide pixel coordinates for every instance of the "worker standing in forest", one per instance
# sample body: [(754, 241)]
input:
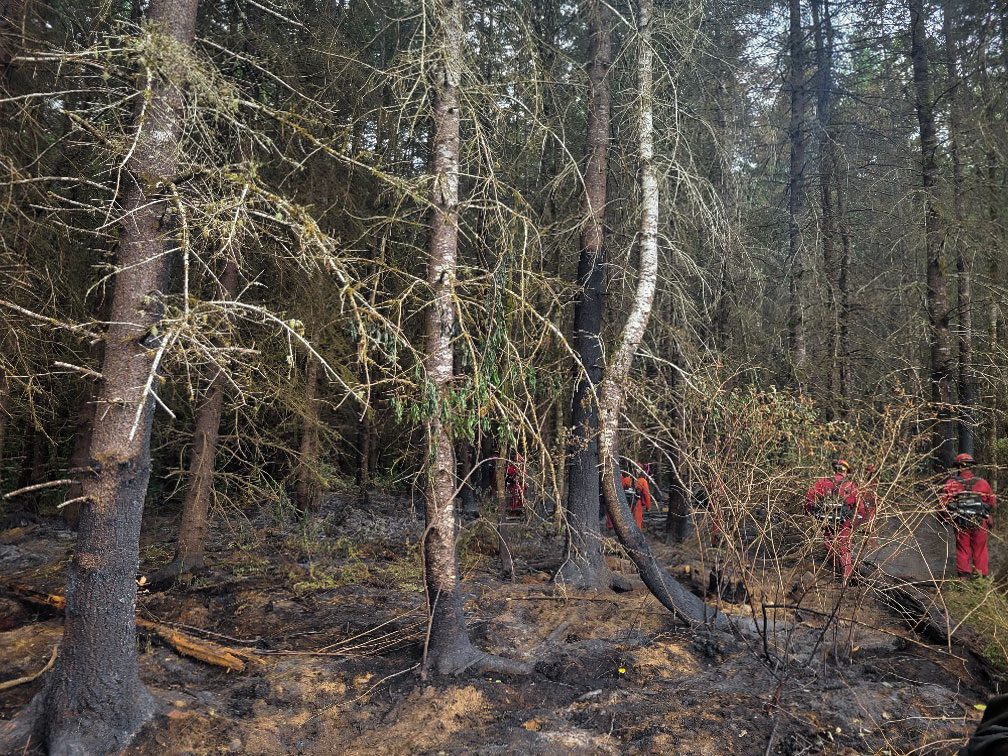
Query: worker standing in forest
[(638, 496), (644, 487), (836, 501), (967, 502), (514, 484)]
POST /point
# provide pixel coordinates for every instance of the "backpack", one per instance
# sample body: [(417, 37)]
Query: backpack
[(631, 494), (834, 508), (967, 506)]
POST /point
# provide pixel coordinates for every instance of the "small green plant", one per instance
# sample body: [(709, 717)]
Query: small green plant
[(981, 606), (405, 571)]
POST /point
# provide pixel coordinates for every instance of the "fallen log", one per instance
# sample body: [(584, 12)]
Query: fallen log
[(231, 659), (917, 608)]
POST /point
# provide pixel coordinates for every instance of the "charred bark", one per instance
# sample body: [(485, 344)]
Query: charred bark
[(665, 588), (449, 649), (937, 295), (307, 493), (93, 700), (583, 566)]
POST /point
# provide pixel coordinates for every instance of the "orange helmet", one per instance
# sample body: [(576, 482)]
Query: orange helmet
[(841, 465), (964, 459)]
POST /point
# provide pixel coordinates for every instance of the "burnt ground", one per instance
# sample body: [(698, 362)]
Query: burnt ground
[(336, 612)]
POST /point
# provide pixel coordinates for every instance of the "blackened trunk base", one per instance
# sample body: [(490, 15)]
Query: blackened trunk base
[(93, 701)]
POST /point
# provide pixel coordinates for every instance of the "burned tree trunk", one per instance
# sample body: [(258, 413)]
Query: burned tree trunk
[(202, 462), (844, 305), (678, 517), (937, 295), (967, 382), (583, 565), (823, 28), (796, 193), (31, 451), (448, 649), (307, 494), (994, 323), (612, 391), (4, 422), (467, 492), (365, 442), (93, 700)]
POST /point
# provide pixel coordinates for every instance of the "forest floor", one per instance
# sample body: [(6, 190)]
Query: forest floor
[(336, 612)]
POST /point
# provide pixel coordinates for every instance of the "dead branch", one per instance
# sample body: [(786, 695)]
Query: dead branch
[(38, 487)]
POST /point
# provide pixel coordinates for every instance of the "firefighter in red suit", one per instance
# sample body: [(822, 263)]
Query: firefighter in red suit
[(514, 483), (643, 492), (638, 494), (837, 502), (967, 500)]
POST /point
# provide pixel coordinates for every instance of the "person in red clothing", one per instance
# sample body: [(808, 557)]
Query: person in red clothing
[(514, 484), (644, 488), (967, 501), (836, 501), (638, 494)]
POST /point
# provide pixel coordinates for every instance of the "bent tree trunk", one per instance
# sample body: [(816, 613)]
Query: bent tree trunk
[(193, 522), (664, 587), (583, 566), (937, 295), (93, 701), (448, 649)]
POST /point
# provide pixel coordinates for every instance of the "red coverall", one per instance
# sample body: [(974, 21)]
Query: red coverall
[(838, 540), (971, 543), (515, 483)]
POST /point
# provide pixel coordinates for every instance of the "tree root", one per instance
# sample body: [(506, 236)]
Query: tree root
[(171, 575), (8, 684), (23, 729), (471, 661), (579, 576)]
